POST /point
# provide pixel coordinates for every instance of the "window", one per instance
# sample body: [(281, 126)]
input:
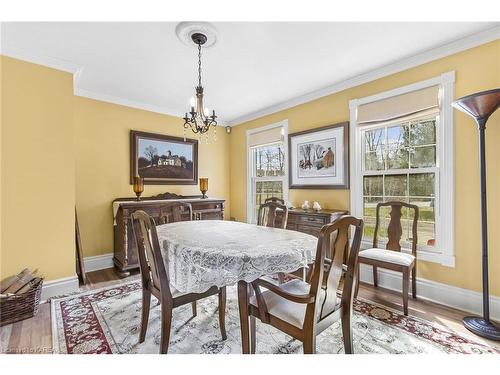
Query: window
[(402, 148), (399, 163), (267, 167)]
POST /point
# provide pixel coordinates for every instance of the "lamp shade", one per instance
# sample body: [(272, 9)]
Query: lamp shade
[(479, 105)]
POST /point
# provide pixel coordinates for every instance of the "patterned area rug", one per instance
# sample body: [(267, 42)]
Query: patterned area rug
[(108, 320)]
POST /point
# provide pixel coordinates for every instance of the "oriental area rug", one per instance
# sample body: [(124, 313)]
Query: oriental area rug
[(108, 321)]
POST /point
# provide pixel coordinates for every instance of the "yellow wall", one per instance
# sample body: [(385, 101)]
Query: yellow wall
[(476, 69), (102, 165), (58, 151), (38, 170)]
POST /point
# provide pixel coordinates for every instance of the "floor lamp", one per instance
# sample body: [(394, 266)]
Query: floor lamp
[(480, 106)]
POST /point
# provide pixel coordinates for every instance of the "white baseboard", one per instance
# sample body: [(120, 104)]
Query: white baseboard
[(58, 287), (452, 296), (98, 262)]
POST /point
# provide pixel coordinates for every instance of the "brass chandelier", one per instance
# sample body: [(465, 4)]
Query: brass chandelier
[(199, 119)]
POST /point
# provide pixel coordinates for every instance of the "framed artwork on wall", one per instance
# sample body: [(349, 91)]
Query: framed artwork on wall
[(163, 159), (319, 158)]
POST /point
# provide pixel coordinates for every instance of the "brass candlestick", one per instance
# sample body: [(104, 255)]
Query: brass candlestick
[(203, 186), (138, 186)]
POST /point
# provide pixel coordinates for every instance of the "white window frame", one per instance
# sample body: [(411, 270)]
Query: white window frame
[(444, 252), (251, 179)]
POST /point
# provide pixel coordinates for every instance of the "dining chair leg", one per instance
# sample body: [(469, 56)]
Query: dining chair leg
[(243, 307), (166, 323), (193, 308), (375, 276), (347, 331), (406, 284), (146, 303), (222, 312), (357, 281), (310, 343), (253, 332), (414, 281)]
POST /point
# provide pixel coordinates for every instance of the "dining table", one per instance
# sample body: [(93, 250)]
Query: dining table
[(200, 254)]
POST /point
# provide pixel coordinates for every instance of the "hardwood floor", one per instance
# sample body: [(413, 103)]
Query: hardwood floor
[(34, 335)]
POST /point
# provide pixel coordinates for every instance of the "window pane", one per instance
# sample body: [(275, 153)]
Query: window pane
[(397, 158), (374, 161), (396, 185), (374, 140), (421, 157), (373, 185), (397, 136), (423, 132), (426, 221), (422, 184), (397, 147), (269, 160), (266, 189), (369, 217)]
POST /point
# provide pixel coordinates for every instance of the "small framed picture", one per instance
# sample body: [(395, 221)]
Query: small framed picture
[(319, 158), (163, 159)]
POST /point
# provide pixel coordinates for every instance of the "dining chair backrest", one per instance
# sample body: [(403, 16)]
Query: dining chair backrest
[(268, 216), (172, 212), (275, 199), (394, 229), (154, 275), (332, 269)]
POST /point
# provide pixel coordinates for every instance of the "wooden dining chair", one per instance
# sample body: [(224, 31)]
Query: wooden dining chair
[(274, 199), (303, 310), (155, 281), (173, 212), (268, 217), (391, 257)]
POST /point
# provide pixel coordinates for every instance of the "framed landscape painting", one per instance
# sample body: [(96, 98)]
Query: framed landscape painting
[(162, 159), (319, 158)]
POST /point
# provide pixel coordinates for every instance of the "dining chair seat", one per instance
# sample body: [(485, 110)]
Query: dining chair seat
[(389, 256), (286, 310)]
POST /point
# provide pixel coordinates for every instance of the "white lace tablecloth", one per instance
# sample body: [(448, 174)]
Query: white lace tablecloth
[(201, 254)]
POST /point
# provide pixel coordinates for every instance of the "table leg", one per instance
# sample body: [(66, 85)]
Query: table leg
[(243, 305)]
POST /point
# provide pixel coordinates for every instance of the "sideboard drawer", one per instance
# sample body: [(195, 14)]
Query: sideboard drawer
[(312, 220)]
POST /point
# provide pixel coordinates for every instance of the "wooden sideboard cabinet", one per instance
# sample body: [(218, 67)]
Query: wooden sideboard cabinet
[(125, 250), (310, 221)]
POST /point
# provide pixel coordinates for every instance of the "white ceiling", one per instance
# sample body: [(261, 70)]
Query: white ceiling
[(253, 66)]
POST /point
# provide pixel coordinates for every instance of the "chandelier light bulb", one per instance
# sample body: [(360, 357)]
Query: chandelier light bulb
[(192, 102)]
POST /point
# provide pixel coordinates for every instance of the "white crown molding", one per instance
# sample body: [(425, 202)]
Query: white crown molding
[(77, 71), (419, 59), (59, 287), (125, 102), (50, 62), (448, 49), (98, 262), (452, 296)]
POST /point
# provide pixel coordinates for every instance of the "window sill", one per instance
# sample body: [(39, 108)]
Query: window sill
[(425, 255)]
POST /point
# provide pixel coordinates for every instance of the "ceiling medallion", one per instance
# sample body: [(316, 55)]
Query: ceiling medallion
[(199, 119)]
